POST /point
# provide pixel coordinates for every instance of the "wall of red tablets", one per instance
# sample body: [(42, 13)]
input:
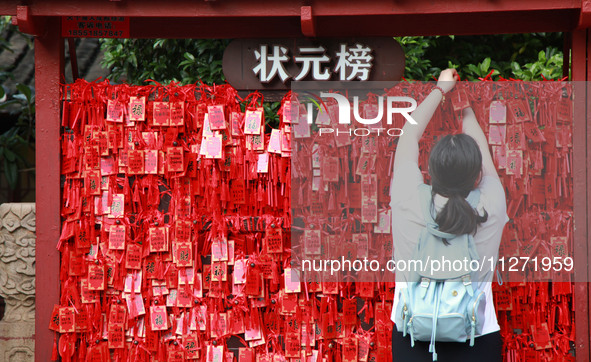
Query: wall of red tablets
[(289, 19), (176, 233)]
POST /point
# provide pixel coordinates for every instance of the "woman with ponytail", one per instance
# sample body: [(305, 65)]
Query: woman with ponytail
[(458, 164)]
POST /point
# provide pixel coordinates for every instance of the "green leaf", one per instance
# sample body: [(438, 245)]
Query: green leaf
[(9, 155), (11, 173), (189, 56), (485, 65), (24, 90)]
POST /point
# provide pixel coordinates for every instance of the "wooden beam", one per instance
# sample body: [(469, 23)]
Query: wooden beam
[(580, 175), (49, 54), (257, 8)]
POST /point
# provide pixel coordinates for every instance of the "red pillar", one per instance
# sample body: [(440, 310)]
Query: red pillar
[(581, 173), (49, 51)]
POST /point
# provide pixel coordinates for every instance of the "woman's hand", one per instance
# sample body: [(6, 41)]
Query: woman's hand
[(447, 79)]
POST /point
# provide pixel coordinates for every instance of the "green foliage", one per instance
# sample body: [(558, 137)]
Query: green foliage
[(515, 56), (18, 105), (417, 66), (164, 60), (20, 137), (548, 65)]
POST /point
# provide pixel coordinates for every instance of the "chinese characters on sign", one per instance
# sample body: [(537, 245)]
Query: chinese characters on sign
[(95, 27), (350, 63)]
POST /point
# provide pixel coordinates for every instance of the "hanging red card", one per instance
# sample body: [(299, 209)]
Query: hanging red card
[(183, 298), (252, 122), (514, 162), (541, 336), (219, 271), (114, 111), (137, 108), (246, 354), (211, 147), (151, 162), (274, 240), (497, 134), (313, 242), (117, 314), (329, 284), (55, 319), (292, 281), (116, 337), (369, 198), (237, 191), (177, 114), (176, 355), (533, 133), (174, 159), (564, 110), (550, 185), (191, 346), (150, 266), (161, 114), (497, 112), (330, 169), (158, 318), (183, 253), (92, 182), (559, 247), (363, 350), (158, 237), (519, 109), (116, 208), (91, 154), (81, 319), (135, 162), (96, 277), (292, 345), (217, 119), (76, 266), (459, 100), (133, 258), (350, 349), (182, 230), (503, 299), (350, 311), (236, 119), (515, 137), (66, 320)]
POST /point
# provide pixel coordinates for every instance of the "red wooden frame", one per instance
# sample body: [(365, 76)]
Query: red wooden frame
[(291, 18)]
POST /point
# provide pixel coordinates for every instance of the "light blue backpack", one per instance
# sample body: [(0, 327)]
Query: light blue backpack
[(443, 305)]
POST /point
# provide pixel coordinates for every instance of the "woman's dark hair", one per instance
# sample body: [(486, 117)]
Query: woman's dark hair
[(455, 164)]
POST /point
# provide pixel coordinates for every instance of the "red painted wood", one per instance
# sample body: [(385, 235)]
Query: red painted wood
[(580, 166), (257, 18), (376, 25), (585, 14), (49, 50), (192, 8), (308, 21)]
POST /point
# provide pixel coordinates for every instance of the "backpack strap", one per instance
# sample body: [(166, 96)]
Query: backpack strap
[(432, 227)]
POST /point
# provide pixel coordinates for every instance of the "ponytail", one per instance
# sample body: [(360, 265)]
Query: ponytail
[(455, 164), (458, 217)]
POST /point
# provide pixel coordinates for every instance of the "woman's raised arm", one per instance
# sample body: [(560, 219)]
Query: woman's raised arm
[(471, 127), (408, 144)]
